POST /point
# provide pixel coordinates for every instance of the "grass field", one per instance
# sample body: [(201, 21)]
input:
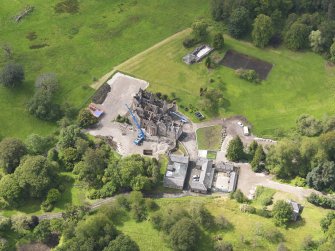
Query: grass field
[(241, 235), (209, 138), (300, 82), (81, 47)]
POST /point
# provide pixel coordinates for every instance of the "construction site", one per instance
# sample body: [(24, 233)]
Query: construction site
[(155, 124)]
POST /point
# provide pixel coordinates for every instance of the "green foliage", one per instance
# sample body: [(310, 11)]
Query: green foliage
[(262, 31), (269, 233), (299, 181), (327, 220), (200, 214), (43, 233), (208, 62), (211, 100), (11, 151), (86, 119), (4, 245), (322, 201), (239, 22), (184, 235), (218, 41), (199, 30), (68, 136), (190, 41), (138, 207), (10, 191), (296, 37), (235, 150), (47, 82), (122, 119), (37, 144), (5, 224), (316, 41), (245, 208), (264, 195), (322, 176), (239, 196), (327, 143), (309, 126), (122, 243), (22, 224), (249, 75), (36, 176), (52, 197), (282, 213), (100, 95), (252, 148), (257, 163), (12, 75), (332, 53)]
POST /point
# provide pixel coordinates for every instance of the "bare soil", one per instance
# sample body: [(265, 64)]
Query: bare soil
[(236, 60)]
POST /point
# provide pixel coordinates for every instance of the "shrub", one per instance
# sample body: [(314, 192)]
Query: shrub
[(123, 202), (282, 213), (327, 220), (239, 196), (308, 125), (52, 197), (190, 42), (245, 208), (86, 118), (322, 201), (223, 246), (122, 119), (218, 41), (263, 212), (100, 95), (299, 182), (151, 204), (269, 233), (12, 75), (249, 75)]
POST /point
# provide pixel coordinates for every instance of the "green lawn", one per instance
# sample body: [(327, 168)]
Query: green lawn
[(300, 82), (81, 47), (244, 226), (209, 138)]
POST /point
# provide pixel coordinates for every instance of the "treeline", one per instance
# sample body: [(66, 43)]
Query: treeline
[(300, 24), (32, 169)]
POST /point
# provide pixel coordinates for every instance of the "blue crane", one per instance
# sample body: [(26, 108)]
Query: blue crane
[(141, 135)]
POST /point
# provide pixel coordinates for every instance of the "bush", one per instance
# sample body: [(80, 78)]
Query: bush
[(326, 221), (86, 119), (245, 208), (322, 201), (282, 213), (190, 42), (263, 212), (100, 95), (299, 182), (122, 119), (218, 41), (151, 204), (184, 235), (249, 75), (123, 202), (5, 224), (12, 75), (308, 125), (52, 197), (223, 246), (239, 196), (269, 233)]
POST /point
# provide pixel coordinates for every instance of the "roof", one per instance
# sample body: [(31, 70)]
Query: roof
[(222, 166), (297, 209), (176, 171), (189, 58), (206, 176)]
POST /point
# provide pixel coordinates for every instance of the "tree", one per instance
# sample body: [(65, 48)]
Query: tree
[(211, 100), (22, 224), (122, 243), (92, 167), (327, 144), (47, 82), (86, 118), (327, 29), (262, 31), (200, 30), (218, 41), (239, 23), (4, 245), (52, 197), (253, 147), (296, 37), (323, 176), (327, 220), (38, 144), (10, 191), (41, 105), (68, 136), (332, 52), (223, 246), (201, 215), (12, 75), (235, 149), (316, 41), (184, 235), (42, 232), (308, 125), (218, 10), (282, 213), (257, 162), (11, 151), (36, 176)]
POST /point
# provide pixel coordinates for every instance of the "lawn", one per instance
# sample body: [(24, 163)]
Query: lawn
[(209, 138), (242, 236), (300, 82), (81, 47)]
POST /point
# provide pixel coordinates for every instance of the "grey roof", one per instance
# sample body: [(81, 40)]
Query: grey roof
[(232, 182), (222, 166), (206, 176), (189, 58), (176, 171), (297, 209)]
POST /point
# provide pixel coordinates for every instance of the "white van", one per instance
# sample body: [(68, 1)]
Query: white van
[(246, 131)]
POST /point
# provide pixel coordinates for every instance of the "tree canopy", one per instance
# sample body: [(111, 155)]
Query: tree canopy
[(12, 75), (262, 30), (11, 151), (235, 150)]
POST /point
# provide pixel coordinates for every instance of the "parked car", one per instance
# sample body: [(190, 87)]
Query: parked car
[(240, 124)]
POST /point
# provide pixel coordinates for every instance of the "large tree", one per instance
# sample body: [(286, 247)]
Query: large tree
[(12, 75), (11, 151), (218, 41), (36, 175), (332, 52), (282, 213), (37, 144), (122, 243), (327, 143), (239, 22), (323, 176), (262, 31), (10, 191), (184, 235), (47, 82), (199, 28), (307, 125), (235, 150), (257, 162), (296, 37)]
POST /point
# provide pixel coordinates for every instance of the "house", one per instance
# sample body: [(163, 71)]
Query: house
[(226, 178), (297, 210), (197, 55), (176, 171), (202, 183)]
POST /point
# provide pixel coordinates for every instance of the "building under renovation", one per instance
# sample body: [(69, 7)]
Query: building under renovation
[(156, 116)]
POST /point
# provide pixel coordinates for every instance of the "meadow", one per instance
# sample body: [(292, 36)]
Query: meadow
[(299, 83), (80, 47), (241, 233)]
